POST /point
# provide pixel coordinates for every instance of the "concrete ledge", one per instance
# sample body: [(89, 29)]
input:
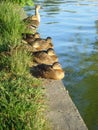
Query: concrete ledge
[(62, 112)]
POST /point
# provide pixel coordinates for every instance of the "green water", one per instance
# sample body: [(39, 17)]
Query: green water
[(73, 26)]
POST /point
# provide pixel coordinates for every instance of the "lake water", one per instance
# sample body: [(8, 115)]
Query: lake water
[(73, 26)]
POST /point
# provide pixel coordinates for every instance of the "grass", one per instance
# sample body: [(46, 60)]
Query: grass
[(20, 2), (19, 102), (21, 95), (20, 59), (11, 26)]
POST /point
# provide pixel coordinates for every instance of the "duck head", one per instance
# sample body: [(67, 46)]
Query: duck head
[(49, 39), (37, 7), (57, 66), (50, 52), (37, 35)]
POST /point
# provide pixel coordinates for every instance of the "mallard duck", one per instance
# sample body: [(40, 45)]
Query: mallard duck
[(39, 44), (53, 71), (30, 37), (45, 57), (42, 44), (34, 20)]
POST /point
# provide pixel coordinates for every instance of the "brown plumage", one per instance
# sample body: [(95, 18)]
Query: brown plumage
[(53, 71), (36, 46), (30, 37), (45, 57), (34, 20), (42, 44)]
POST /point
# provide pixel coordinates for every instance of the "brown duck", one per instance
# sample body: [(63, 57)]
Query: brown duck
[(30, 37), (34, 20), (45, 57), (36, 47), (42, 44), (53, 71)]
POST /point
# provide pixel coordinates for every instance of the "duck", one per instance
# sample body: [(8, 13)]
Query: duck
[(38, 44), (43, 43), (41, 40), (45, 57), (34, 20), (30, 37), (53, 71)]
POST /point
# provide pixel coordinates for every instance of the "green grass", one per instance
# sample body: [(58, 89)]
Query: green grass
[(20, 59), (19, 102), (21, 95), (20, 2), (11, 25)]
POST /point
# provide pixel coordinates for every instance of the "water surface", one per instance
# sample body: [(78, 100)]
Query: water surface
[(73, 26)]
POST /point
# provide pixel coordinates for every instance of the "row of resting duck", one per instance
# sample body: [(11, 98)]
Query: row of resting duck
[(45, 62)]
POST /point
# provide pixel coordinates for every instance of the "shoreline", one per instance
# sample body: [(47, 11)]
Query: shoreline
[(62, 112)]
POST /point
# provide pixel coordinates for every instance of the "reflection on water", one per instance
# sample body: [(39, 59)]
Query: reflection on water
[(73, 25)]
